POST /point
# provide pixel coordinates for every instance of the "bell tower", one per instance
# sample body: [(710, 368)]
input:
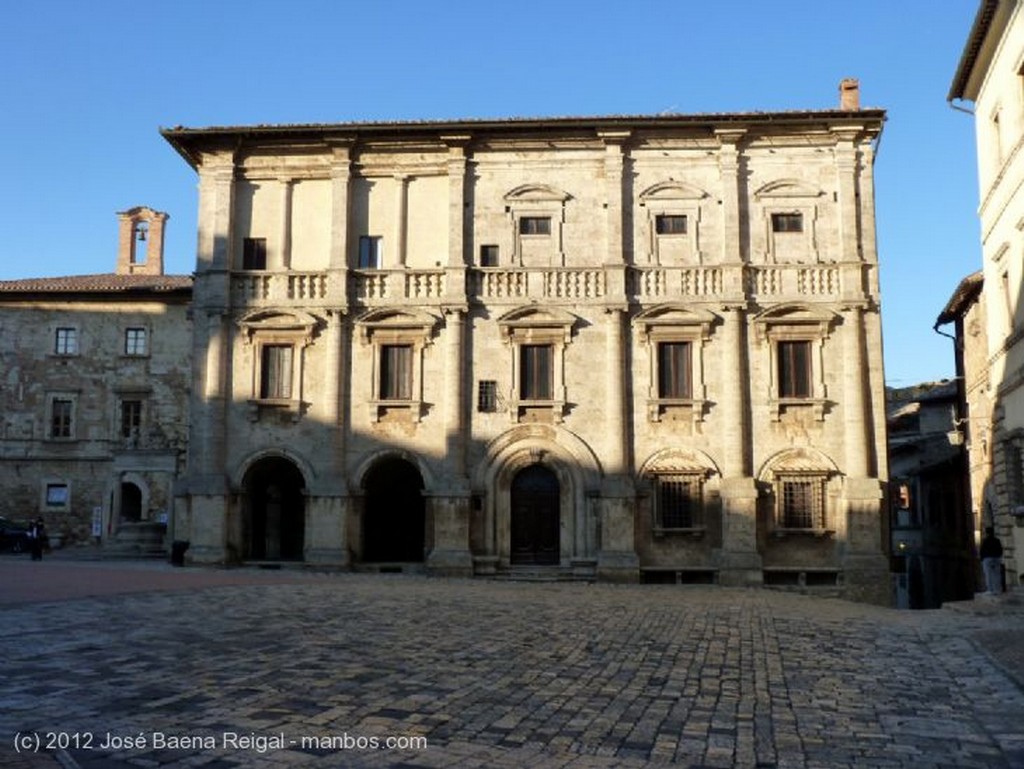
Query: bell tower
[(141, 241)]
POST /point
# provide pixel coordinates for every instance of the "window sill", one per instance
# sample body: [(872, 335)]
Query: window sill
[(781, 533), (538, 411), (259, 406), (692, 532), (779, 406), (659, 408), (396, 410)]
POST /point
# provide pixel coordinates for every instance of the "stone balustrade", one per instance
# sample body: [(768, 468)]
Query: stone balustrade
[(509, 285)]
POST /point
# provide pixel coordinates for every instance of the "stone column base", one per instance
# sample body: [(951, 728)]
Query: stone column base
[(618, 566), (450, 563)]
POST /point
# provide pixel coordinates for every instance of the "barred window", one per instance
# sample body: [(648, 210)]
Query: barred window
[(487, 396), (801, 503), (678, 501)]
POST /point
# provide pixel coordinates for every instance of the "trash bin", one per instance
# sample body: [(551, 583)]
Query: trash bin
[(178, 548)]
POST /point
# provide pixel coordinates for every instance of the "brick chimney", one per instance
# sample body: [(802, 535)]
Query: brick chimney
[(140, 248), (849, 94)]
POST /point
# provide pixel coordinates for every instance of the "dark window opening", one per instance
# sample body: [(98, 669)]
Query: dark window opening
[(674, 370), (371, 252), (794, 369), (276, 372), (670, 224), (803, 504), (60, 418), (488, 256), (254, 254), (536, 380), (679, 501), (535, 225), (789, 222), (396, 372), (131, 418)]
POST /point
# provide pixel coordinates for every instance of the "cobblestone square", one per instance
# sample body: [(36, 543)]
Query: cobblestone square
[(219, 669)]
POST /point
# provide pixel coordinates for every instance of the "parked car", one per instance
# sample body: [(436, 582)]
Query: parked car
[(14, 536)]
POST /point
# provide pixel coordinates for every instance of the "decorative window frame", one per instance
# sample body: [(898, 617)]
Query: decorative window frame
[(672, 198), (277, 327), (537, 200), (388, 326), (796, 323), (536, 326), (675, 323), (803, 464), (789, 196), (691, 464)]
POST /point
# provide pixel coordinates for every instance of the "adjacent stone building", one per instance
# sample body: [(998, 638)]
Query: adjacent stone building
[(619, 347), (988, 307), (95, 372)]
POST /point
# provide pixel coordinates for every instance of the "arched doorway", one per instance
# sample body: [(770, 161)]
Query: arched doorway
[(275, 517), (536, 516), (394, 517), (131, 503)]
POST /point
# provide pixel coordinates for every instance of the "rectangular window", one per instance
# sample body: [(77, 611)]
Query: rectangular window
[(536, 373), (794, 369), (535, 225), (679, 501), (670, 224), (674, 370), (487, 396), (276, 372), (803, 504), (488, 256), (254, 254), (135, 341), (371, 252), (788, 222), (396, 372), (67, 341), (56, 495), (131, 418), (61, 410)]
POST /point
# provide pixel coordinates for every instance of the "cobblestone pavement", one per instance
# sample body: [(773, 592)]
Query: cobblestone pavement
[(214, 669)]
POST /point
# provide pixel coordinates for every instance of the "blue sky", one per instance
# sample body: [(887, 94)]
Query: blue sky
[(85, 87)]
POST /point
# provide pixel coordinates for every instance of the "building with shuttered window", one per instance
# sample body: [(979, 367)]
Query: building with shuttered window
[(623, 348)]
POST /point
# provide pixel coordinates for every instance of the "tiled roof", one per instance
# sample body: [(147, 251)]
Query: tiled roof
[(91, 284)]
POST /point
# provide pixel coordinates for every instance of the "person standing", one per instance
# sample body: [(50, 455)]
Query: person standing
[(37, 533), (992, 561)]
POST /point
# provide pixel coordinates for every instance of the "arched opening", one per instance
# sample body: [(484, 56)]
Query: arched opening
[(394, 518), (275, 517), (131, 503), (536, 515)]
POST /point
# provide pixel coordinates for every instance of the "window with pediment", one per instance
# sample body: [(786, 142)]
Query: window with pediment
[(675, 337), (803, 486), (787, 228), (680, 485), (537, 340), (536, 213), (277, 340), (397, 339), (672, 223), (793, 338)]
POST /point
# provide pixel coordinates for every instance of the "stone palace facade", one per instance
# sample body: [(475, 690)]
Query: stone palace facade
[(616, 347)]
